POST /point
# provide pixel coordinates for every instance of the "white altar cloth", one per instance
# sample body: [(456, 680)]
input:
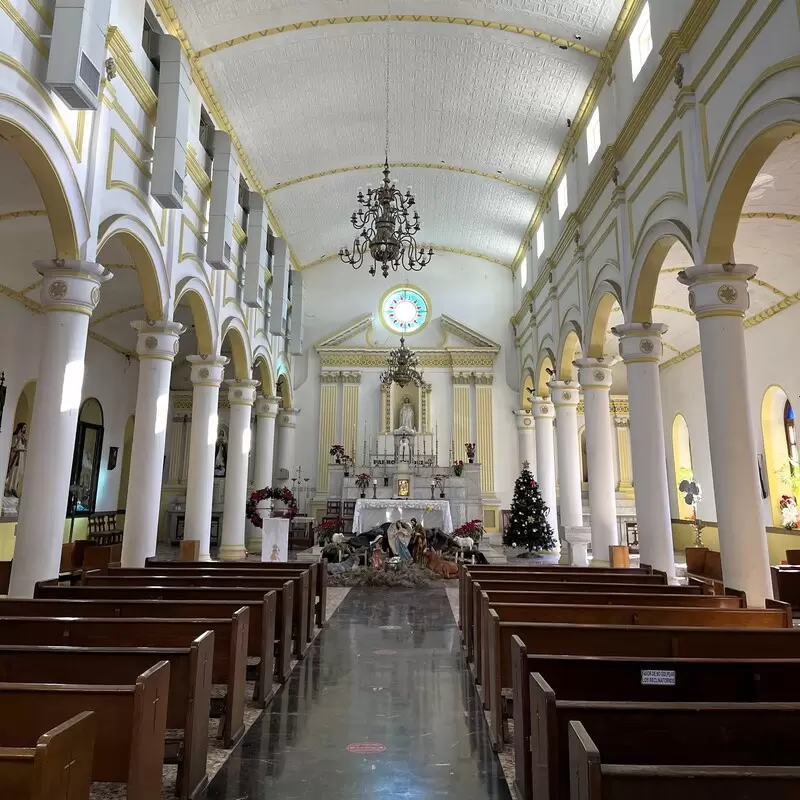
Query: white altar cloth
[(275, 539), (369, 514)]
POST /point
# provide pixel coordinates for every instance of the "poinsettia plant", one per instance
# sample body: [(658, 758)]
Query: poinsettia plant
[(473, 529), (282, 493), (363, 480), (337, 451)]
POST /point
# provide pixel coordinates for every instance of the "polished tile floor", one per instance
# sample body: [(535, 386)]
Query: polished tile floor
[(382, 707)]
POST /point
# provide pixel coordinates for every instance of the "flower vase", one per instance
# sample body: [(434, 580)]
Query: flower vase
[(347, 473), (471, 460), (385, 480), (338, 460), (362, 495), (441, 495)]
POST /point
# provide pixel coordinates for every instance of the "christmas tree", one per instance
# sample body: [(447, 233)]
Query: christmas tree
[(528, 527)]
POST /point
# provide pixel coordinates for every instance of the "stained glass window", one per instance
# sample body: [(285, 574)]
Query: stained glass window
[(404, 310)]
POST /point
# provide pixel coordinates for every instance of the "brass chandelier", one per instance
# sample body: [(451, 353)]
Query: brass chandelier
[(385, 217), (402, 367)]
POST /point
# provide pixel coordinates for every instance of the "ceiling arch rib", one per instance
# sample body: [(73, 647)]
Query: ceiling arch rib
[(482, 24)]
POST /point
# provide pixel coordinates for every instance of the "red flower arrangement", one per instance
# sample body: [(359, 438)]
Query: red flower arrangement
[(473, 529), (283, 493), (363, 480)]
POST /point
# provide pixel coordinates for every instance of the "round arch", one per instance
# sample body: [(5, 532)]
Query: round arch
[(194, 294), (52, 172), (547, 362), (682, 461), (570, 340), (526, 389), (776, 447), (656, 243), (143, 249), (233, 331), (605, 296), (283, 386), (758, 134), (262, 367)]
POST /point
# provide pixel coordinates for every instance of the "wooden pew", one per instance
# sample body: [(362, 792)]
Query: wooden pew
[(148, 578), (253, 598), (656, 733), (130, 724), (786, 585), (615, 678), (705, 566), (665, 599), (591, 779), (188, 702), (321, 575), (57, 766), (664, 634), (230, 647), (261, 628)]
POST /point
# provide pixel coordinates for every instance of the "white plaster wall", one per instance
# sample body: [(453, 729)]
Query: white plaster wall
[(771, 360), (108, 377), (475, 292)]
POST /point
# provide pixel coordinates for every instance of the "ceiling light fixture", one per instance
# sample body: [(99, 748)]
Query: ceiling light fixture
[(384, 217), (402, 367)]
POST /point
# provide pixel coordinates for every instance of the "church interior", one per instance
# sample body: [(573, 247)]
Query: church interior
[(382, 500)]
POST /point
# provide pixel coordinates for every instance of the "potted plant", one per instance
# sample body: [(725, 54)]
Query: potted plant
[(337, 451), (789, 512), (692, 494), (347, 462), (282, 493), (470, 447), (472, 529), (439, 481), (363, 481)]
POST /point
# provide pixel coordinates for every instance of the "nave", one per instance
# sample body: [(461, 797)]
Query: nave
[(386, 671)]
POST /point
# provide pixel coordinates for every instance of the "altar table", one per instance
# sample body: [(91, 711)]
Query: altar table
[(369, 514)]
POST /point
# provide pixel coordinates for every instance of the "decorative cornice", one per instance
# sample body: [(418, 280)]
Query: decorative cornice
[(348, 331), (449, 325), (431, 358), (481, 24)]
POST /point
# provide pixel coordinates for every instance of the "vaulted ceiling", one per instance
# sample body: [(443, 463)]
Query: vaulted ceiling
[(480, 95)]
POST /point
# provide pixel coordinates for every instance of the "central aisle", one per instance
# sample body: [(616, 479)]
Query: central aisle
[(385, 673)]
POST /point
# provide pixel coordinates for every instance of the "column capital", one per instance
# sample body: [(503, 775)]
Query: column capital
[(241, 392), (157, 338), (287, 417), (640, 341), (207, 370), (71, 285), (564, 393), (267, 406), (524, 419), (594, 373), (352, 377), (330, 377), (718, 290), (543, 408)]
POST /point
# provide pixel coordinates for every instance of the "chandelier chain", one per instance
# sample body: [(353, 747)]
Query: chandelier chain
[(388, 54)]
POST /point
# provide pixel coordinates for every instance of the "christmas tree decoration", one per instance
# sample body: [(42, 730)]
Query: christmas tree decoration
[(528, 527)]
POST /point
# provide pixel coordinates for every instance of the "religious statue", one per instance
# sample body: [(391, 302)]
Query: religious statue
[(399, 534), (406, 417), (16, 460), (403, 449), (275, 554), (220, 455), (419, 544)]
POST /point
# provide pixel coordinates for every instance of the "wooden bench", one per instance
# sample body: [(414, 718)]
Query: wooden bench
[(319, 575), (230, 648), (303, 613), (591, 779), (130, 724), (5, 576), (786, 585), (57, 766), (261, 628), (188, 702), (99, 557), (656, 733), (675, 600), (103, 529), (662, 632), (614, 678), (705, 566)]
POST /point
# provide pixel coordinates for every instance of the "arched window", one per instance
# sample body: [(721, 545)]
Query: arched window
[(791, 436), (86, 457)]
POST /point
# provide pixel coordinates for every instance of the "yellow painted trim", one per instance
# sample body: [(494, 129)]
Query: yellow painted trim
[(436, 248), (675, 309), (192, 206), (485, 436), (327, 432), (403, 165), (35, 212), (22, 24), (43, 11), (481, 24), (109, 99), (239, 236), (19, 296), (196, 172), (130, 73), (111, 314)]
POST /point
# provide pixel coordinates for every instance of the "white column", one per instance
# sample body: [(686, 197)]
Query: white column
[(157, 345), (525, 435), (595, 379), (70, 292), (241, 394), (565, 397), (544, 414), (266, 412), (641, 349), (206, 376), (284, 459), (719, 298)]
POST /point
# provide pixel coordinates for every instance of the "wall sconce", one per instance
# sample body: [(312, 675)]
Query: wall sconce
[(112, 458)]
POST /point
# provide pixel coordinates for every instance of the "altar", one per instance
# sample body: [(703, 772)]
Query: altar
[(369, 514)]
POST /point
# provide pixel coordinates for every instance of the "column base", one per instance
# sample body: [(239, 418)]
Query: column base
[(253, 545), (204, 557), (232, 552)]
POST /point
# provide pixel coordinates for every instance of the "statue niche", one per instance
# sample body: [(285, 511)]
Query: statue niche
[(406, 418)]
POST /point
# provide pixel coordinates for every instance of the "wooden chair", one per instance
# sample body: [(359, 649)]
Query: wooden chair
[(333, 508), (348, 513)]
